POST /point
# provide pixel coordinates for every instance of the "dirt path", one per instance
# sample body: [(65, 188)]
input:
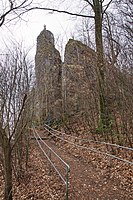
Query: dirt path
[(89, 182), (88, 179)]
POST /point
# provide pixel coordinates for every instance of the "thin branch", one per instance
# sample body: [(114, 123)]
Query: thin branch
[(18, 136), (20, 113), (107, 7), (11, 4), (59, 11), (90, 3), (3, 16), (25, 7), (2, 19)]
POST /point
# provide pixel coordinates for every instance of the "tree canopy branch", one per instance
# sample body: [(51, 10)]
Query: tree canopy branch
[(107, 7), (89, 3), (60, 11), (23, 5)]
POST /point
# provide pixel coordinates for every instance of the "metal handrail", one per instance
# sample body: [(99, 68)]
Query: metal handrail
[(95, 141), (90, 149), (48, 157)]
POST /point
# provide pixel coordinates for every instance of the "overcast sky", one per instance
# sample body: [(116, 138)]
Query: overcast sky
[(27, 30)]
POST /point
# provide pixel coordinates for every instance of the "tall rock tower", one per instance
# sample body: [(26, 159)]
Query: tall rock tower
[(48, 70), (79, 79)]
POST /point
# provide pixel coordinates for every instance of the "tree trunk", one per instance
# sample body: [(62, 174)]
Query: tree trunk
[(104, 115), (7, 170)]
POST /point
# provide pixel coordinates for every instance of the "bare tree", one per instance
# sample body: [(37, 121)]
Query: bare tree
[(98, 10), (11, 10), (14, 80), (117, 33)]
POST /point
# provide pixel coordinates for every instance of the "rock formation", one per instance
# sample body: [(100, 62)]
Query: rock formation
[(79, 82), (71, 88), (48, 77), (64, 88)]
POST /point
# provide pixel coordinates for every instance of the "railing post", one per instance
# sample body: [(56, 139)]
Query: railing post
[(49, 155), (67, 172)]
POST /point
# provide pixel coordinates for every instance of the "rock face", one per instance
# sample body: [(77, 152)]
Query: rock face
[(48, 70), (64, 88), (79, 78), (71, 88)]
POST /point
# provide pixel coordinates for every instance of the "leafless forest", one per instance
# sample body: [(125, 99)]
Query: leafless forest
[(89, 95)]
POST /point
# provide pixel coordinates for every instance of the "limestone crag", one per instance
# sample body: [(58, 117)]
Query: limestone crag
[(72, 88), (64, 88), (48, 76), (79, 82)]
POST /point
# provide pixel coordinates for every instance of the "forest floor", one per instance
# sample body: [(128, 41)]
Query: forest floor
[(91, 176)]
